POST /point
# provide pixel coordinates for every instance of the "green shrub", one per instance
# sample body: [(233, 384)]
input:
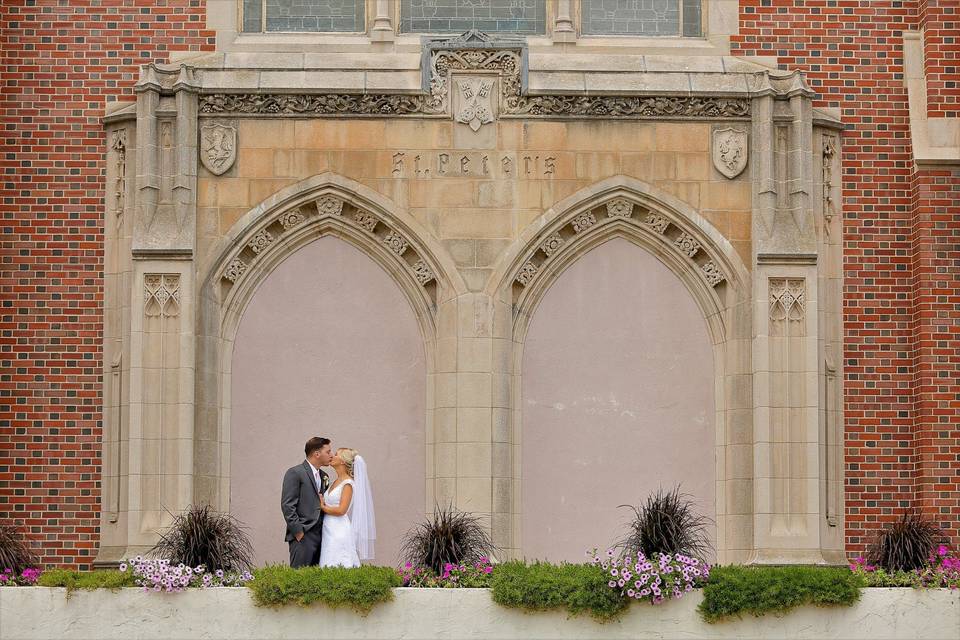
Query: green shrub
[(73, 580), (578, 588), (360, 588), (734, 590)]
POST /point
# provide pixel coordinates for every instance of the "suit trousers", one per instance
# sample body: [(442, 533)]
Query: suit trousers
[(306, 552)]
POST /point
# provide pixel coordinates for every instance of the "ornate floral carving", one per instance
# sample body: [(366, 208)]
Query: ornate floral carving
[(701, 107), (619, 208), (235, 269), (396, 242), (584, 221), (730, 151), (422, 272), (218, 147), (329, 206), (712, 273), (687, 244), (261, 241), (527, 272), (292, 218), (787, 299), (332, 104), (552, 244), (476, 109), (656, 222), (365, 220), (161, 294)]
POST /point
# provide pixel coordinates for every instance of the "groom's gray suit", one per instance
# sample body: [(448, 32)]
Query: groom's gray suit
[(300, 501)]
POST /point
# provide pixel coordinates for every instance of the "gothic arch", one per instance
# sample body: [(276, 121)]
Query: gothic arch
[(326, 204), (689, 246)]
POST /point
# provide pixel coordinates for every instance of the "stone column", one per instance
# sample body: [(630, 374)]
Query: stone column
[(785, 319), (563, 30), (382, 25)]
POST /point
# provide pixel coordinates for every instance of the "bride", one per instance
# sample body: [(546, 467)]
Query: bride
[(349, 527)]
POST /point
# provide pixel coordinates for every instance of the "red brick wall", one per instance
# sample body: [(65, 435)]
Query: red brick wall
[(940, 20), (937, 325), (901, 301), (62, 60)]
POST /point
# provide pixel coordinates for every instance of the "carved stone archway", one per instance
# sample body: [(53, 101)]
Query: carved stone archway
[(711, 271), (327, 204)]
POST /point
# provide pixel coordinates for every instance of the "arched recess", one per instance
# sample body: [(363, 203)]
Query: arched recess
[(323, 205), (711, 272)]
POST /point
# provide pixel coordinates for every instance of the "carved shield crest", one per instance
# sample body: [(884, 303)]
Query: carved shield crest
[(730, 151), (218, 147), (476, 108)]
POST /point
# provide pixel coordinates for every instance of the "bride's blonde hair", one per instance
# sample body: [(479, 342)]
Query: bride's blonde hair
[(348, 456)]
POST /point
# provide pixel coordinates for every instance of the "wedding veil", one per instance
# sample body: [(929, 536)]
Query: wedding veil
[(361, 511)]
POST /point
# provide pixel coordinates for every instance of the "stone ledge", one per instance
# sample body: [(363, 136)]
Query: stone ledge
[(37, 612)]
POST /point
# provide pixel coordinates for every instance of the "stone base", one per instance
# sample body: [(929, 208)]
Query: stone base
[(36, 612)]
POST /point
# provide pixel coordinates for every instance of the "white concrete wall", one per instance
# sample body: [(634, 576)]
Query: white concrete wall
[(35, 612)]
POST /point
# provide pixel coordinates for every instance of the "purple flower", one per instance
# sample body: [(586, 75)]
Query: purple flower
[(612, 584)]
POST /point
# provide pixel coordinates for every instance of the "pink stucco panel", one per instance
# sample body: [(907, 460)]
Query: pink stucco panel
[(617, 400), (328, 346)]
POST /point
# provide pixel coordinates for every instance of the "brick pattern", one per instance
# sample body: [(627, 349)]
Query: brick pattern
[(940, 20), (900, 347), (62, 61), (937, 275)]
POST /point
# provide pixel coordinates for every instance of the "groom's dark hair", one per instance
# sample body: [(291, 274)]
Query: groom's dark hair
[(315, 444)]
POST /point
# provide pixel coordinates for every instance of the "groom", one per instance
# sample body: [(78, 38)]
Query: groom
[(300, 501)]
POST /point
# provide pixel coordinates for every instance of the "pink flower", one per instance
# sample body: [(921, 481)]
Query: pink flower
[(942, 550)]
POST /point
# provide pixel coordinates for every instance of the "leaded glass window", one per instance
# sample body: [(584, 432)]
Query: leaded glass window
[(641, 17), (489, 16), (303, 15)]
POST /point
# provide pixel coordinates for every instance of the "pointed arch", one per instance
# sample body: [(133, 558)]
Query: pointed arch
[(693, 250), (325, 204)]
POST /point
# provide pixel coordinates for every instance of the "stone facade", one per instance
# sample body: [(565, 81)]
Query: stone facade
[(474, 170)]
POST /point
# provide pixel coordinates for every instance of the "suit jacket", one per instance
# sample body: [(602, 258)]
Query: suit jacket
[(300, 499)]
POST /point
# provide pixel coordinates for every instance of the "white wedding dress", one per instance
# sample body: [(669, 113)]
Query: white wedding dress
[(338, 547)]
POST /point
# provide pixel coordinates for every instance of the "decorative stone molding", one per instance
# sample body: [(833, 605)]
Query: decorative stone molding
[(292, 218), (475, 53), (552, 244), (327, 104), (161, 295), (687, 244), (787, 300), (619, 208), (559, 237), (366, 221), (730, 151), (261, 241), (476, 108), (118, 146), (712, 273), (422, 272), (828, 154), (396, 242), (640, 107), (584, 221), (218, 147), (527, 272), (656, 222), (235, 269), (329, 206)]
